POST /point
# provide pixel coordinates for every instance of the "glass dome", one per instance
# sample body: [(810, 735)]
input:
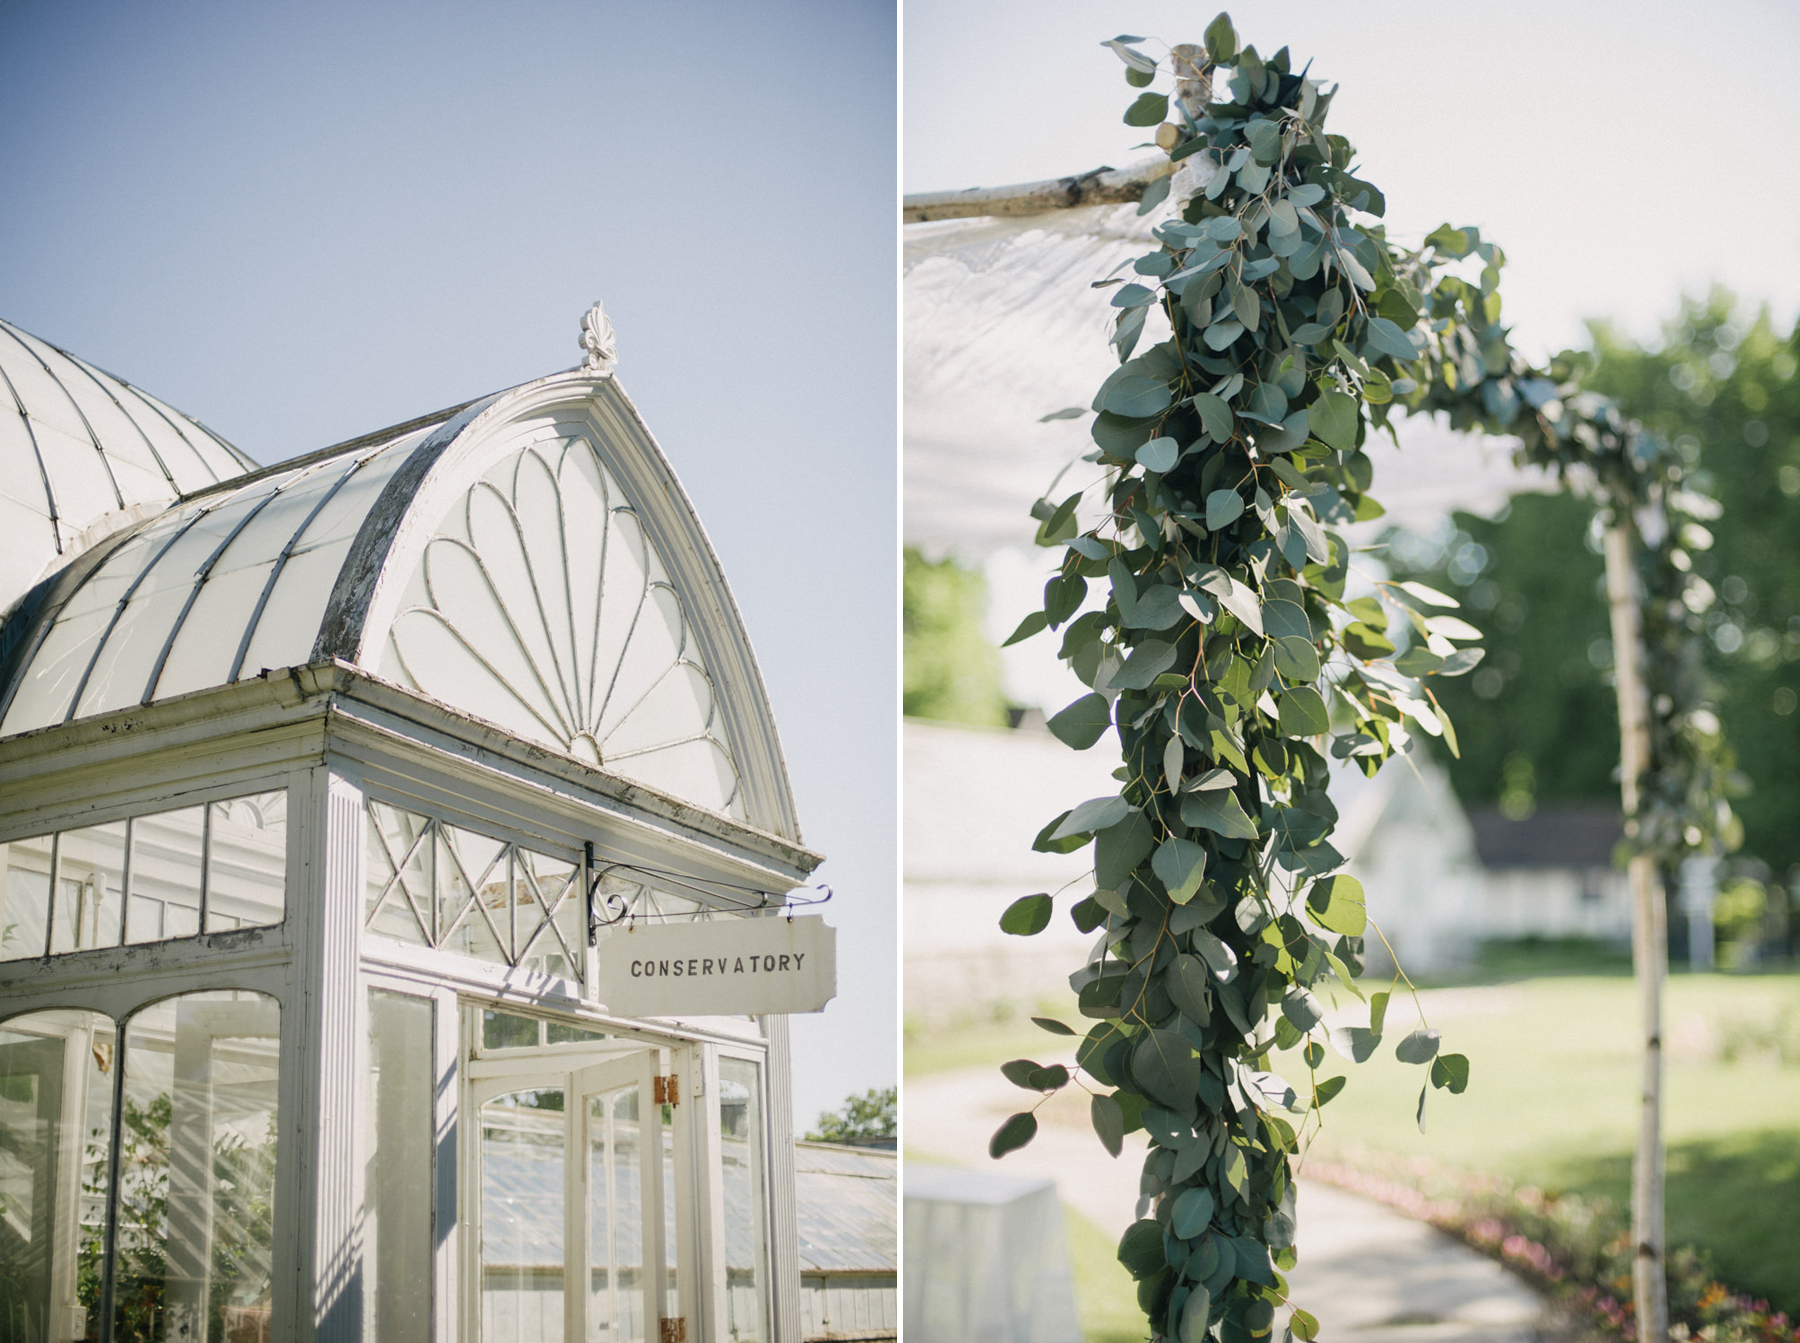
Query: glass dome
[(83, 454)]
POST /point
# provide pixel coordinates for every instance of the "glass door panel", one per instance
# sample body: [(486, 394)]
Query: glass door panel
[(624, 1210), (575, 1183), (524, 1159)]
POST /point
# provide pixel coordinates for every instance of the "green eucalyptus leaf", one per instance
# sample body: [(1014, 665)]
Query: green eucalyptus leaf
[(1180, 864), (1136, 60), (1148, 110), (1052, 1025), (1221, 40), (1301, 1008), (1120, 848), (1268, 403), (1196, 1313), (1215, 416), (1223, 507), (1191, 1213), (1034, 623), (1028, 916), (1012, 1135), (1020, 1072), (1220, 959), (1303, 713), (1164, 1063), (1296, 659), (1187, 987), (1141, 1248), (1221, 334), (1378, 1010), (1136, 396), (1044, 844), (1332, 420), (1159, 455), (1387, 338), (1219, 812), (1337, 905), (1109, 1122), (1286, 619), (1082, 723), (1450, 1071), (1097, 813), (1419, 1047), (1461, 661), (1148, 660)]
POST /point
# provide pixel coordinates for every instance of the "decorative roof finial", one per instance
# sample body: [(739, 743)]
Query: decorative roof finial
[(599, 345)]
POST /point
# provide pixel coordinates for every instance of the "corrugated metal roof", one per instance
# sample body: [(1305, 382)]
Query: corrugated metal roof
[(848, 1204)]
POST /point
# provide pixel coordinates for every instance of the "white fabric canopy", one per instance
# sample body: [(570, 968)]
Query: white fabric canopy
[(1002, 327)]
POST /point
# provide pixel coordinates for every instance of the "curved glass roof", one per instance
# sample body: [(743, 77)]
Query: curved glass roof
[(216, 588), (529, 592), (83, 453)]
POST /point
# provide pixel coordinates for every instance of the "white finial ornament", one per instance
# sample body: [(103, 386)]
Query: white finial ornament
[(599, 346)]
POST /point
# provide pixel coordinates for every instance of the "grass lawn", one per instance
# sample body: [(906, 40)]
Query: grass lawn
[(1105, 1295), (1552, 1101)]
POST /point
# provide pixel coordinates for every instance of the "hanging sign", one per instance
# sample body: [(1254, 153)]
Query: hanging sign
[(718, 967)]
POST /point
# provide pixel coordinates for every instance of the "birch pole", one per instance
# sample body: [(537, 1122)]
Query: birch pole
[(1649, 941)]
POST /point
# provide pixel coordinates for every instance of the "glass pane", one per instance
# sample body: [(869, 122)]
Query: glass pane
[(164, 900), (246, 862), (399, 874), (555, 1033), (671, 1296), (197, 1170), (90, 882), (507, 1030), (25, 911), (56, 1089), (627, 1217), (399, 1132), (474, 914), (548, 909), (522, 1184), (741, 1145)]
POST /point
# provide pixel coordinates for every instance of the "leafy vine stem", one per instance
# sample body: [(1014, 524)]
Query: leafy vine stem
[(1225, 650)]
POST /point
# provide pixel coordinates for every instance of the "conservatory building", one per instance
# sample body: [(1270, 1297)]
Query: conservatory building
[(395, 938)]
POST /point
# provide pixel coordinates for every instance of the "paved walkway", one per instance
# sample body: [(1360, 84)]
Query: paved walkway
[(1365, 1270)]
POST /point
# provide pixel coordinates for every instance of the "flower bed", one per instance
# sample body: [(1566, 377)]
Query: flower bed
[(1577, 1248)]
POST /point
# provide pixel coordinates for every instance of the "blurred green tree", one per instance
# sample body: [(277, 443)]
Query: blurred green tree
[(870, 1115), (952, 669), (1536, 721)]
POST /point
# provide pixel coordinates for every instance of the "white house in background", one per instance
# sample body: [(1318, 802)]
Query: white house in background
[(1551, 874), (318, 784), (975, 800), (1437, 883)]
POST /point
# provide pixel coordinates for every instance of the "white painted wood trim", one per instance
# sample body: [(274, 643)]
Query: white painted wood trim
[(783, 1205), (325, 1052)]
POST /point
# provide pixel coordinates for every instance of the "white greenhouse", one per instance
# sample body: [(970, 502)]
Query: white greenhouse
[(322, 788)]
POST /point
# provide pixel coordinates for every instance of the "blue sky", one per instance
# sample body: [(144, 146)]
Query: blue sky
[(303, 223)]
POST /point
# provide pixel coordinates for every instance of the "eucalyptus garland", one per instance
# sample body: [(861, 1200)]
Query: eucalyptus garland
[(1235, 665)]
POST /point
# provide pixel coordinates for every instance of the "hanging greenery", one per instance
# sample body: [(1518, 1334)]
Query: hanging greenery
[(1234, 666)]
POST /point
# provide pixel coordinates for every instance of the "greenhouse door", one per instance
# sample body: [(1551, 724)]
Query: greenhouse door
[(576, 1219)]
